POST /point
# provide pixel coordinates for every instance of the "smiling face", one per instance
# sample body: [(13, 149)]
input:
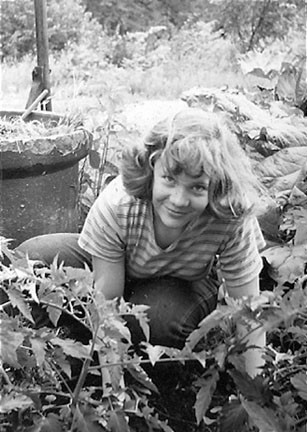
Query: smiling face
[(177, 199)]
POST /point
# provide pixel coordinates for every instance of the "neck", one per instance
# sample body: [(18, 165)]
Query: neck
[(164, 235)]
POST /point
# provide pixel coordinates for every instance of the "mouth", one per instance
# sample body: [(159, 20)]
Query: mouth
[(176, 213)]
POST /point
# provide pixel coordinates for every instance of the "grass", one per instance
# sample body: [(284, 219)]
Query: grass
[(83, 77), (79, 77)]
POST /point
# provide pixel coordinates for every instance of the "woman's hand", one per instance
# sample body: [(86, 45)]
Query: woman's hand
[(109, 278), (253, 356)]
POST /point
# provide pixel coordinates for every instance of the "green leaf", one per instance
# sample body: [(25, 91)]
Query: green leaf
[(299, 381), (121, 328), (31, 288), (65, 366), (209, 322), (140, 313), (38, 347), (94, 159), (301, 85), (51, 423), (233, 417), (254, 389), (264, 418), (13, 402), (139, 375), (83, 422), (18, 301), (10, 342), (286, 84), (56, 298), (72, 348), (154, 352), (287, 262), (117, 422), (204, 395)]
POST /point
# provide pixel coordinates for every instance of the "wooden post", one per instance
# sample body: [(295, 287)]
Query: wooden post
[(42, 48)]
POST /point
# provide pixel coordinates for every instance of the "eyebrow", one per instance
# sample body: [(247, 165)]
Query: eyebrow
[(201, 182)]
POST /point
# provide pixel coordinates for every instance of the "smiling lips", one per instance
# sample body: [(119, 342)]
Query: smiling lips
[(176, 213)]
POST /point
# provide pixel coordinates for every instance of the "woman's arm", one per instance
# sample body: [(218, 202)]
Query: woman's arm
[(253, 359), (109, 278)]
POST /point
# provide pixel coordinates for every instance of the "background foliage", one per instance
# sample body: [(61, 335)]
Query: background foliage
[(249, 23), (103, 55)]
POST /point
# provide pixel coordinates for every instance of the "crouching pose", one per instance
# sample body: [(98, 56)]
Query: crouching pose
[(157, 232)]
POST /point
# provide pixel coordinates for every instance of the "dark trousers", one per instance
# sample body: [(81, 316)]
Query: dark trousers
[(176, 307)]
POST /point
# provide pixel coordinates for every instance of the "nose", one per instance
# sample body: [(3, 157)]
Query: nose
[(180, 197)]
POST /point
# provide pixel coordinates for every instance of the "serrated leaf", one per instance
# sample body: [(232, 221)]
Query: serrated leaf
[(301, 233), (154, 353), (299, 381), (38, 347), (51, 423), (94, 159), (65, 366), (264, 418), (83, 422), (209, 322), (301, 85), (121, 328), (254, 389), (233, 417), (117, 422), (72, 348), (287, 262), (18, 301), (286, 84), (13, 402), (10, 342), (274, 169), (31, 288), (204, 395), (139, 375), (56, 298), (143, 322), (140, 313)]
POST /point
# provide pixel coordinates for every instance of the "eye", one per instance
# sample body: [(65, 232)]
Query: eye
[(168, 178), (200, 188)]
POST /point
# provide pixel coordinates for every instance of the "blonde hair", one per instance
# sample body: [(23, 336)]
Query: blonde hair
[(194, 141)]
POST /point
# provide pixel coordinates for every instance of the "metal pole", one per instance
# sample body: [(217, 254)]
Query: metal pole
[(42, 48)]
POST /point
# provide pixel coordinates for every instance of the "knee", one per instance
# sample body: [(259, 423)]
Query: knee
[(174, 311), (36, 248)]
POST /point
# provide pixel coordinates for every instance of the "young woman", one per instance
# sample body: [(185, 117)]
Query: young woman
[(157, 232)]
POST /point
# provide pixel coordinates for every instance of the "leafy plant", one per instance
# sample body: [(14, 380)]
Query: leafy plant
[(68, 361), (252, 25), (64, 355), (66, 22), (102, 164)]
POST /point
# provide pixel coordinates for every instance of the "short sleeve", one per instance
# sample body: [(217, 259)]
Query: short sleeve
[(103, 233), (240, 260)]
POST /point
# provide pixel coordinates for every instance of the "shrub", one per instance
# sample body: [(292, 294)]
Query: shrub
[(66, 21)]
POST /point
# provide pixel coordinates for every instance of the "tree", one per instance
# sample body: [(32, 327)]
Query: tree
[(67, 21), (125, 15), (252, 23)]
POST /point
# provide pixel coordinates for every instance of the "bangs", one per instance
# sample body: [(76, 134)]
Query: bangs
[(188, 155)]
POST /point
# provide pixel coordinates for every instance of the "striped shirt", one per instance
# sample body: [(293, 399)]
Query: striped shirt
[(119, 225)]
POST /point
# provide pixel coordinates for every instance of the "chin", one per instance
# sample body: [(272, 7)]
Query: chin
[(173, 223)]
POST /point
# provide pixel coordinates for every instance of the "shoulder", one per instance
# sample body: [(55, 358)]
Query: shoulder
[(115, 193), (234, 231), (115, 201)]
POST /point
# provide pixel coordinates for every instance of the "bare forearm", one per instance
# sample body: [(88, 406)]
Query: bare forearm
[(106, 289), (109, 278), (250, 332), (254, 337)]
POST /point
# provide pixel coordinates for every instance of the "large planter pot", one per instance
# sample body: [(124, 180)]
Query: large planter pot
[(40, 181)]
